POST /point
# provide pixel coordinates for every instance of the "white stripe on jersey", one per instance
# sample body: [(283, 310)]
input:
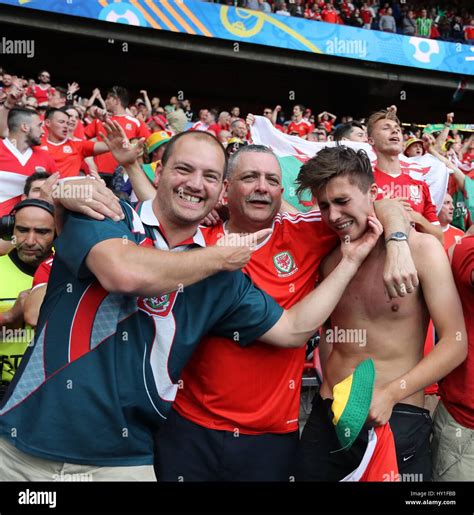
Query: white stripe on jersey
[(132, 119), (12, 185), (22, 158)]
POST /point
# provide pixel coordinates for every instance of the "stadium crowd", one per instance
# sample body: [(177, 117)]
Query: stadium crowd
[(232, 408), (451, 22)]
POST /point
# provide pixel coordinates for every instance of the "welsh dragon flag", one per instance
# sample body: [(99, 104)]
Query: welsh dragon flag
[(293, 151)]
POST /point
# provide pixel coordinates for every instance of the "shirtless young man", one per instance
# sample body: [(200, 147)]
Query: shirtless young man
[(390, 331)]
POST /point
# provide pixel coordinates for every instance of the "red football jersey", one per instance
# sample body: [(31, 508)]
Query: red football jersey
[(302, 127), (452, 235), (417, 192), (457, 388), (15, 167), (40, 93), (257, 389), (133, 128), (69, 154), (42, 273)]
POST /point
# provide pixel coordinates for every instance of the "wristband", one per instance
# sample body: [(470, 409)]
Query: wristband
[(447, 124)]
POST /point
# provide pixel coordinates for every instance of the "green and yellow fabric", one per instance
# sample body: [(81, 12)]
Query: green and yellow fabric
[(351, 404)]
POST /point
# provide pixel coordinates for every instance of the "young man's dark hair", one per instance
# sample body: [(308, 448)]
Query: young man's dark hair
[(51, 110), (344, 130), (121, 94), (32, 178), (196, 134), (335, 162), (19, 115)]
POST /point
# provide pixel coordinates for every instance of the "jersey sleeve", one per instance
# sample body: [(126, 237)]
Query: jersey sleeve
[(429, 210), (463, 260), (80, 234), (87, 148), (42, 273), (251, 312), (92, 130), (143, 131)]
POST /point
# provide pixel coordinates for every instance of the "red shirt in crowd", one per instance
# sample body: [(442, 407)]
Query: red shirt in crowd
[(469, 32), (329, 16), (69, 154), (15, 167), (457, 387), (132, 127), (452, 235), (257, 389), (42, 273), (302, 128), (417, 192), (366, 15), (41, 93)]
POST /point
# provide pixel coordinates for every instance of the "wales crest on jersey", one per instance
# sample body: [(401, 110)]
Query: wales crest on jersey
[(158, 305), (284, 264)]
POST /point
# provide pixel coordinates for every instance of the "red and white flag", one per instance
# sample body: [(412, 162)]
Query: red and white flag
[(293, 151)]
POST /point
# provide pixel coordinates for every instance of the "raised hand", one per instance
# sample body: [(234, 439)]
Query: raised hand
[(73, 88), (250, 120), (119, 145), (16, 92)]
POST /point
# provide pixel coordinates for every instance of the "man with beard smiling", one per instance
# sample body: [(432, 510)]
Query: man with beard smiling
[(33, 234)]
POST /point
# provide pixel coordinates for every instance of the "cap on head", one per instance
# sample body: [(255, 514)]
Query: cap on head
[(411, 141), (156, 140)]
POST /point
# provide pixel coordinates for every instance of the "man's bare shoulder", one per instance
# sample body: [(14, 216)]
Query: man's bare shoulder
[(426, 251), (423, 243)]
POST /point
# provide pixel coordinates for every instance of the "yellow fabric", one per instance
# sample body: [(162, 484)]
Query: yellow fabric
[(155, 140), (13, 343), (340, 393)]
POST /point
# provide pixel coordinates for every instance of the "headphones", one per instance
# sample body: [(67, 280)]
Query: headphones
[(7, 223)]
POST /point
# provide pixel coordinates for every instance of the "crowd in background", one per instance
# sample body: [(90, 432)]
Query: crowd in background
[(452, 22)]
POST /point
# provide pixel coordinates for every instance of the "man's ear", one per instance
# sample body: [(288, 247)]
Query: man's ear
[(374, 191), (370, 141), (158, 169), (223, 196)]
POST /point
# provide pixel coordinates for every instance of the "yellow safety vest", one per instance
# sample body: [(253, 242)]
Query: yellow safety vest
[(13, 342)]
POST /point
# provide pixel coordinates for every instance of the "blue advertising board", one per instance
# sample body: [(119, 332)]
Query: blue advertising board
[(211, 20)]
